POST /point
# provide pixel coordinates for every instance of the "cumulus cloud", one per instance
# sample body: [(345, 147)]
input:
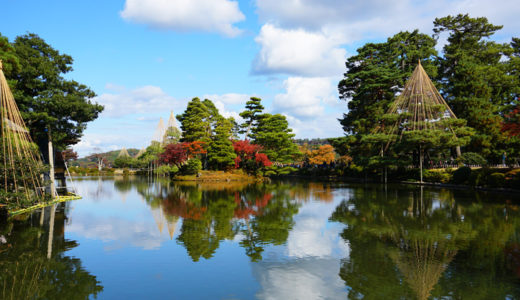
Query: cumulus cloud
[(298, 52), (313, 14), (325, 126), (186, 15), (378, 17), (305, 97), (231, 98), (146, 99), (306, 37), (226, 112)]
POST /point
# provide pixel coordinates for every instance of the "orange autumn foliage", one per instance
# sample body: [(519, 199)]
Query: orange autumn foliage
[(324, 154)]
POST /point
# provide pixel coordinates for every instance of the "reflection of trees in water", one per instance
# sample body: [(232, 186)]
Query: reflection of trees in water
[(424, 235), (317, 191), (33, 263), (262, 214)]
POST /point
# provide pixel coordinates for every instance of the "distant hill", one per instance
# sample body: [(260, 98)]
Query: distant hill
[(312, 142), (91, 161)]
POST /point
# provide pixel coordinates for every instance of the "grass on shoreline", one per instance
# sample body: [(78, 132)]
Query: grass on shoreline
[(234, 175)]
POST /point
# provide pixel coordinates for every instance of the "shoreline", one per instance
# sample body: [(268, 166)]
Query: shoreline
[(434, 184)]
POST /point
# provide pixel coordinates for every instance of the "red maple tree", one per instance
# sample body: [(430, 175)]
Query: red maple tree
[(175, 154), (511, 124), (194, 149)]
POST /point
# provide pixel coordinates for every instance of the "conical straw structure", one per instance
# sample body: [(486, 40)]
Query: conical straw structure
[(20, 156), (419, 107)]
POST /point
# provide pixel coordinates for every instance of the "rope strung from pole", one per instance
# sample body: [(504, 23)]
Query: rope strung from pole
[(20, 156)]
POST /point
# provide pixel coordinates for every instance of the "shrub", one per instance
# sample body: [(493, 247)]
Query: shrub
[(192, 167), (472, 158), (166, 170), (496, 179), (437, 176), (461, 175), (512, 178), (275, 170)]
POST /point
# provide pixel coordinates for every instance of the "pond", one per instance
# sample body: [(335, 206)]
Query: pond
[(142, 238)]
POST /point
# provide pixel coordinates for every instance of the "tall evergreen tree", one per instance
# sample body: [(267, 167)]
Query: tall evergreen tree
[(221, 154), (195, 122), (373, 79), (250, 115), (474, 79), (47, 101), (274, 135)]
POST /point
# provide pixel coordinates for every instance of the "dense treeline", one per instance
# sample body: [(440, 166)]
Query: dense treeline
[(207, 140), (478, 78)]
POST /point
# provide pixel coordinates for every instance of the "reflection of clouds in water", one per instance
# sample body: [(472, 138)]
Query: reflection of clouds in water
[(300, 279), (312, 235), (308, 268), (118, 232)]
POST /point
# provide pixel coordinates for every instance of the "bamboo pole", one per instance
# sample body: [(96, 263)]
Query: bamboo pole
[(51, 164)]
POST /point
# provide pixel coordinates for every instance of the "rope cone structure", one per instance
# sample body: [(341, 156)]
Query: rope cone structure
[(419, 107), (20, 178)]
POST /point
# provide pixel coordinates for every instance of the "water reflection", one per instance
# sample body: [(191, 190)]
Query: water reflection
[(279, 240), (213, 212), (421, 243), (33, 260)]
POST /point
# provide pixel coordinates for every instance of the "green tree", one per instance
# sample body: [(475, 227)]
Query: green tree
[(377, 73), (474, 78), (172, 136), (274, 135), (49, 102), (221, 154), (374, 77), (195, 123), (250, 115)]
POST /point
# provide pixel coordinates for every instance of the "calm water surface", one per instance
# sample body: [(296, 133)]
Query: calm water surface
[(141, 239)]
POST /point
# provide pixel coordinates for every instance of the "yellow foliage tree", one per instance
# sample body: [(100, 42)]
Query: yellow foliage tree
[(324, 154)]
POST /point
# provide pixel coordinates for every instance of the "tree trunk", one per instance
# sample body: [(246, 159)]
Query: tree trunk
[(457, 149)]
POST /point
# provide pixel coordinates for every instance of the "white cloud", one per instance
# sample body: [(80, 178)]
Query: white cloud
[(146, 99), (305, 97), (227, 113), (298, 52), (186, 15), (325, 126), (362, 19), (231, 98), (313, 14)]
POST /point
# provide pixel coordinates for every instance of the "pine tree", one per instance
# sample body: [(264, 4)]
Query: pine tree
[(274, 135), (474, 79), (373, 79), (377, 73), (195, 122), (221, 154), (250, 115)]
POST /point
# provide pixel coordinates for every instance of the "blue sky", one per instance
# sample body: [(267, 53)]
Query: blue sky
[(145, 58)]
